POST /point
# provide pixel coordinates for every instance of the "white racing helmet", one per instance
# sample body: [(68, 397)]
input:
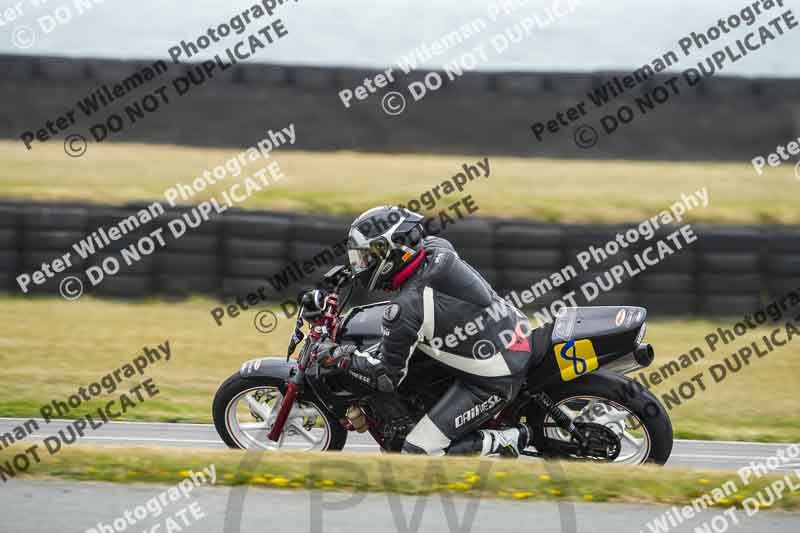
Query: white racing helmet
[(382, 241)]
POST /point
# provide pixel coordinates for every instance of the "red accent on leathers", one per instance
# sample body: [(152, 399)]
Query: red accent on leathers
[(520, 343), (409, 269)]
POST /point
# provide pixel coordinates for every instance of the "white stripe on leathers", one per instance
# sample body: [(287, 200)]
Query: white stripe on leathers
[(427, 436), (494, 366)]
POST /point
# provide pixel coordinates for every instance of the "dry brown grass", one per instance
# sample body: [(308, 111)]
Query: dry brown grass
[(49, 347), (347, 182), (474, 477)]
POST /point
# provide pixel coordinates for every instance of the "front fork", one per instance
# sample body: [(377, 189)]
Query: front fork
[(285, 408)]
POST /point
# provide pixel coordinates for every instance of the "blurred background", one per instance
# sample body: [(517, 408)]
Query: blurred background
[(543, 202)]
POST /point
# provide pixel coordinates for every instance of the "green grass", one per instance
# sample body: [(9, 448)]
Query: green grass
[(493, 478), (49, 347), (349, 183)]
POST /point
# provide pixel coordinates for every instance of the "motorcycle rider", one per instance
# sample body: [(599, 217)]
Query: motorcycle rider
[(437, 295)]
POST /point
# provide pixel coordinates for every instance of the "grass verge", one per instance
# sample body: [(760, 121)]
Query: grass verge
[(475, 477), (51, 347), (345, 182)]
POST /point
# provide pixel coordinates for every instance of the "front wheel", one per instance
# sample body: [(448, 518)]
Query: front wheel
[(633, 413), (245, 409)]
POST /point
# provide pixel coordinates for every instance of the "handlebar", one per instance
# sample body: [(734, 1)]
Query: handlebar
[(321, 309)]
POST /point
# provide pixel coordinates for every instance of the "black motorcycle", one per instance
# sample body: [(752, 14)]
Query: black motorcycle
[(578, 400)]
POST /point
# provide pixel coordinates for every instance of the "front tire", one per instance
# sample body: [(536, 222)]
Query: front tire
[(604, 398), (244, 409)]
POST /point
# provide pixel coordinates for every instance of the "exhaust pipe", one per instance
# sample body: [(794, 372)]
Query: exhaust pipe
[(642, 356)]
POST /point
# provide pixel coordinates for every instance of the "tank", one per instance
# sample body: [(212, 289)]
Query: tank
[(362, 325)]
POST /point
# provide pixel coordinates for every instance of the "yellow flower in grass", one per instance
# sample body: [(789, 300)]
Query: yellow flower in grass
[(522, 495), (473, 478), (704, 481), (544, 477), (328, 483), (458, 486), (554, 491), (724, 501), (258, 480), (738, 497), (280, 481), (183, 473), (500, 474), (588, 498), (296, 484)]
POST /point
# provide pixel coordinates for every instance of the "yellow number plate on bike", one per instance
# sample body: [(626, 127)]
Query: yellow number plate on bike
[(575, 358)]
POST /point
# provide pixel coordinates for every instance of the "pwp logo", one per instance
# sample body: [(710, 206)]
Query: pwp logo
[(327, 511)]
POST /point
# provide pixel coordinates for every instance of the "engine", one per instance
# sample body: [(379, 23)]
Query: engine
[(396, 416)]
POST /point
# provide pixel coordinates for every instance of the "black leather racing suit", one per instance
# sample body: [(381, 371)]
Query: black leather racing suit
[(448, 312)]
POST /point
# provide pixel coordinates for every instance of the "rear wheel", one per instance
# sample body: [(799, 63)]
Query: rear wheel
[(244, 411), (635, 416)]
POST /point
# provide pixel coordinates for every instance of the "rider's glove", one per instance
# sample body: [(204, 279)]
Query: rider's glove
[(361, 368), (334, 358)]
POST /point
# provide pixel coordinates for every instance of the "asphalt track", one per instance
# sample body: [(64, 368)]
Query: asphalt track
[(686, 453), (39, 506)]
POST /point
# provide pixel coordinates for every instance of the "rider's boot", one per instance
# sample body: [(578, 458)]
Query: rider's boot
[(507, 442)]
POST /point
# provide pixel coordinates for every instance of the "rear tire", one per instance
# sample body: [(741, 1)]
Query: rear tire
[(236, 385), (617, 389)]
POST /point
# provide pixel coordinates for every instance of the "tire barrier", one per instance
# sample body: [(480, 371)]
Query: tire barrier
[(10, 225), (782, 260), (47, 231), (729, 270), (492, 99)]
